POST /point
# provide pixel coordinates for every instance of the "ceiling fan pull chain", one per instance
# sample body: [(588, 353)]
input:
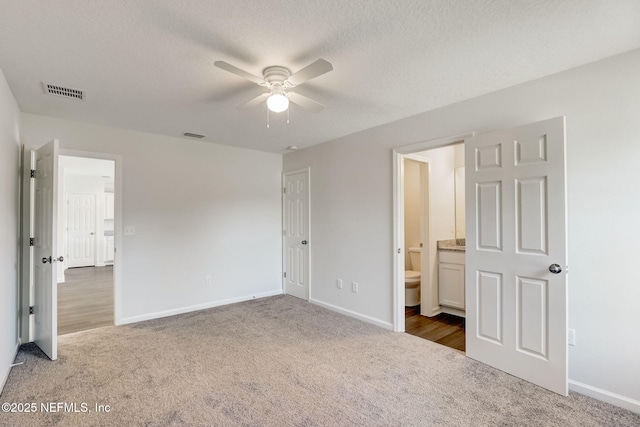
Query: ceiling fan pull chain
[(267, 118), (288, 109)]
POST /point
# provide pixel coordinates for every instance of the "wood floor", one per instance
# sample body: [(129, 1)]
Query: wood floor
[(85, 299), (444, 329)]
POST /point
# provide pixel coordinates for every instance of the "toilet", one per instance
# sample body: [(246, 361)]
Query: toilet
[(412, 279)]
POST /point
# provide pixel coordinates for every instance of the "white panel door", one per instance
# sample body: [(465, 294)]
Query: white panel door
[(45, 307), (516, 245), (81, 229), (296, 234)]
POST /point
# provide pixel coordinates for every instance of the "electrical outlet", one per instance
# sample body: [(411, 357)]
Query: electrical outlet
[(207, 279), (354, 287), (339, 283), (571, 337), (129, 231)]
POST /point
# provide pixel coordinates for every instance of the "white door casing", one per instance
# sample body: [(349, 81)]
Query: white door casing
[(296, 234), (516, 229), (45, 307), (81, 229)]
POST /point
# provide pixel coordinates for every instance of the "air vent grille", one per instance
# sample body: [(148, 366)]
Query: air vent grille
[(193, 135), (64, 92)]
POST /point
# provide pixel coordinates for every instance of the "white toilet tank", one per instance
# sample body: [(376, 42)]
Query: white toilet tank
[(414, 258)]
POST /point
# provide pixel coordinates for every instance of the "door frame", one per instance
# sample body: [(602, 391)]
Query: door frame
[(308, 219), (26, 282), (399, 154)]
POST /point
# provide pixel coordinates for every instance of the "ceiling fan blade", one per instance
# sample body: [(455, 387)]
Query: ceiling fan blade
[(305, 102), (311, 71), (255, 101), (238, 72)]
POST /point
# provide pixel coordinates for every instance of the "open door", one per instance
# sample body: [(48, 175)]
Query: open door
[(516, 283), (45, 308)]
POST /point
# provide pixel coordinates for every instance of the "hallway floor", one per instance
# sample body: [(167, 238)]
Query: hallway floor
[(85, 299), (445, 329)]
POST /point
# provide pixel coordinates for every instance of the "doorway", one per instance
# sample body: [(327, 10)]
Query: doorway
[(514, 281), (86, 195), (434, 234), (296, 234)]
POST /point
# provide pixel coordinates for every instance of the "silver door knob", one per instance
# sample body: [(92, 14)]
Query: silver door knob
[(304, 242), (555, 268), (92, 233), (46, 260), (60, 258)]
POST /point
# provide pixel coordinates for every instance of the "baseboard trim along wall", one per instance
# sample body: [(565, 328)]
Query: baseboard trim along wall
[(8, 370), (605, 396), (173, 312), (374, 321)]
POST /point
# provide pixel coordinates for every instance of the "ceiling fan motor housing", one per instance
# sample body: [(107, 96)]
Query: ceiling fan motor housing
[(276, 75)]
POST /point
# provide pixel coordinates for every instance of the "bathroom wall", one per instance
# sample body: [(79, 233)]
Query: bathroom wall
[(459, 191), (412, 211)]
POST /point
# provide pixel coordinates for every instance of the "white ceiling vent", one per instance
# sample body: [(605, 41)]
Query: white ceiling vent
[(64, 92), (193, 135)]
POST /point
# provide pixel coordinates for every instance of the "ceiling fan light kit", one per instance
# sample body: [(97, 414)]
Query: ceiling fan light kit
[(279, 80)]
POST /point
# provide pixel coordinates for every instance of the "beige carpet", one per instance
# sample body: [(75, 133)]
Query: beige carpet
[(279, 362)]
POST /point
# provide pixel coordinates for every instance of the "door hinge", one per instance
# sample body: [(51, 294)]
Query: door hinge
[(31, 241), (31, 310), (284, 190), (33, 173), (285, 274)]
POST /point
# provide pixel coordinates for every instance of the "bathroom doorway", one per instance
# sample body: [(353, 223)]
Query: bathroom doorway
[(434, 243)]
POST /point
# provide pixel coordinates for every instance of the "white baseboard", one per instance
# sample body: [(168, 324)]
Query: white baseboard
[(374, 321), (8, 370), (605, 396), (454, 311), (211, 304)]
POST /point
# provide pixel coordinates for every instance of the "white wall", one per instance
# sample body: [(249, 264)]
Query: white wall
[(9, 214), (412, 208), (198, 209), (351, 204)]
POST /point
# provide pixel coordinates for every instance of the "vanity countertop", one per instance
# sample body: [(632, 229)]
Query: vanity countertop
[(458, 245)]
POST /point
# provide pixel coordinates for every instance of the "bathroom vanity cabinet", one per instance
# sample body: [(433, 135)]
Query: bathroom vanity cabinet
[(451, 278)]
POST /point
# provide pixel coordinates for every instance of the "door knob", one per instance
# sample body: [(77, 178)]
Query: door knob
[(60, 258), (304, 242), (555, 268), (92, 233), (46, 260)]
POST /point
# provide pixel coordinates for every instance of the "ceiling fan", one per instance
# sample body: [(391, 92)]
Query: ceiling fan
[(279, 80)]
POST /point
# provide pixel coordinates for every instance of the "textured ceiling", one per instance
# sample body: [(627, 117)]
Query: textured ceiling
[(148, 65)]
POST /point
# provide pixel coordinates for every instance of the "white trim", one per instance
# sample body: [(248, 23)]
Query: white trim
[(367, 319), (5, 377), (399, 155), (118, 261), (398, 242), (306, 170), (605, 396), (188, 309)]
